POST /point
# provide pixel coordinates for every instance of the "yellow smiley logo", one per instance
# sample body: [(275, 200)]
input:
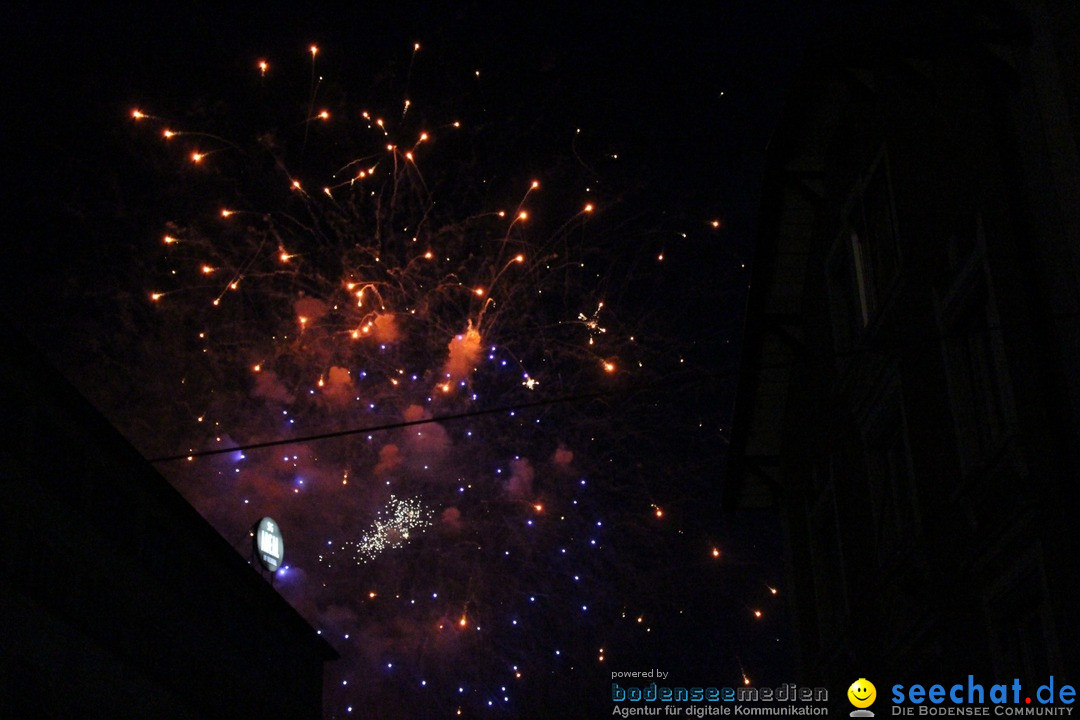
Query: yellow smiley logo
[(862, 693)]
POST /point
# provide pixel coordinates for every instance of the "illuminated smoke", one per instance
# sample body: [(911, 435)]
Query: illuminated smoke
[(465, 350), (520, 484)]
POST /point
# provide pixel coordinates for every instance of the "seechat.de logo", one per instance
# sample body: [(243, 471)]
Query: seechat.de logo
[(862, 694)]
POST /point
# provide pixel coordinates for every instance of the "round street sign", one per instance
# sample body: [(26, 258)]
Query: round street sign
[(269, 544)]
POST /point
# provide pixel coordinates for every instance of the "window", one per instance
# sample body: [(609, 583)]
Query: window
[(864, 264), (1019, 619), (843, 303), (830, 585), (874, 249), (973, 355), (890, 474)]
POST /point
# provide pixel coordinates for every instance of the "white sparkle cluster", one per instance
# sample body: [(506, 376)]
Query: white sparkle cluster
[(393, 526)]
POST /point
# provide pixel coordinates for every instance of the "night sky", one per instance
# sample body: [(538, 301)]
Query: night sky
[(502, 564)]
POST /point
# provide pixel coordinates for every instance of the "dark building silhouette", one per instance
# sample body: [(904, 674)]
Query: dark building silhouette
[(117, 600), (909, 397)]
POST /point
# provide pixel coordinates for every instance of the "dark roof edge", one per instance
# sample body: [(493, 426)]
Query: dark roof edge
[(26, 361)]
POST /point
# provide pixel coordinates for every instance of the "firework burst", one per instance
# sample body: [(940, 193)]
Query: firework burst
[(391, 529), (343, 270)]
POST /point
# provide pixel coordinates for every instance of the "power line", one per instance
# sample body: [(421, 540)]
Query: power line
[(859, 349), (439, 418)]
